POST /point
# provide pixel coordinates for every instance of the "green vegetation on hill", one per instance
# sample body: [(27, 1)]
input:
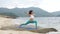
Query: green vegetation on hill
[(22, 12)]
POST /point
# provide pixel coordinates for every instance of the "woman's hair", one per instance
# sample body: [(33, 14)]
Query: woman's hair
[(30, 12)]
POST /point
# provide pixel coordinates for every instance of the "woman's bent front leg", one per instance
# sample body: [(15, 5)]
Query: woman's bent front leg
[(25, 23)]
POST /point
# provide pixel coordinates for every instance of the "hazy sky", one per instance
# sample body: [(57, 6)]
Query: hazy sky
[(48, 5)]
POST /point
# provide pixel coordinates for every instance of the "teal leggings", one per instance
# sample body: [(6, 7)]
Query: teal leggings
[(30, 22)]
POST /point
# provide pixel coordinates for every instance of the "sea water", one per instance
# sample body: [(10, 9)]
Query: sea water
[(46, 22)]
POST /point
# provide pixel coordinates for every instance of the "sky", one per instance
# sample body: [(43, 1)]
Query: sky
[(48, 5)]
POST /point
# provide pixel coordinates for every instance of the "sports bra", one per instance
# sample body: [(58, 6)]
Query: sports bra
[(32, 16)]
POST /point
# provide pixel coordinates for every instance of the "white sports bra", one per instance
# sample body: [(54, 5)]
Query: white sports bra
[(32, 16)]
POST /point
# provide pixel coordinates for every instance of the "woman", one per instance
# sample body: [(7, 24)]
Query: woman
[(31, 19)]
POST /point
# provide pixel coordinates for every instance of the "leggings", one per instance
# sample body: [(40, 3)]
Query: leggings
[(30, 22)]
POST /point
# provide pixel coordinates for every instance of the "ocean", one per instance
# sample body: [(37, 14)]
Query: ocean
[(45, 22)]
